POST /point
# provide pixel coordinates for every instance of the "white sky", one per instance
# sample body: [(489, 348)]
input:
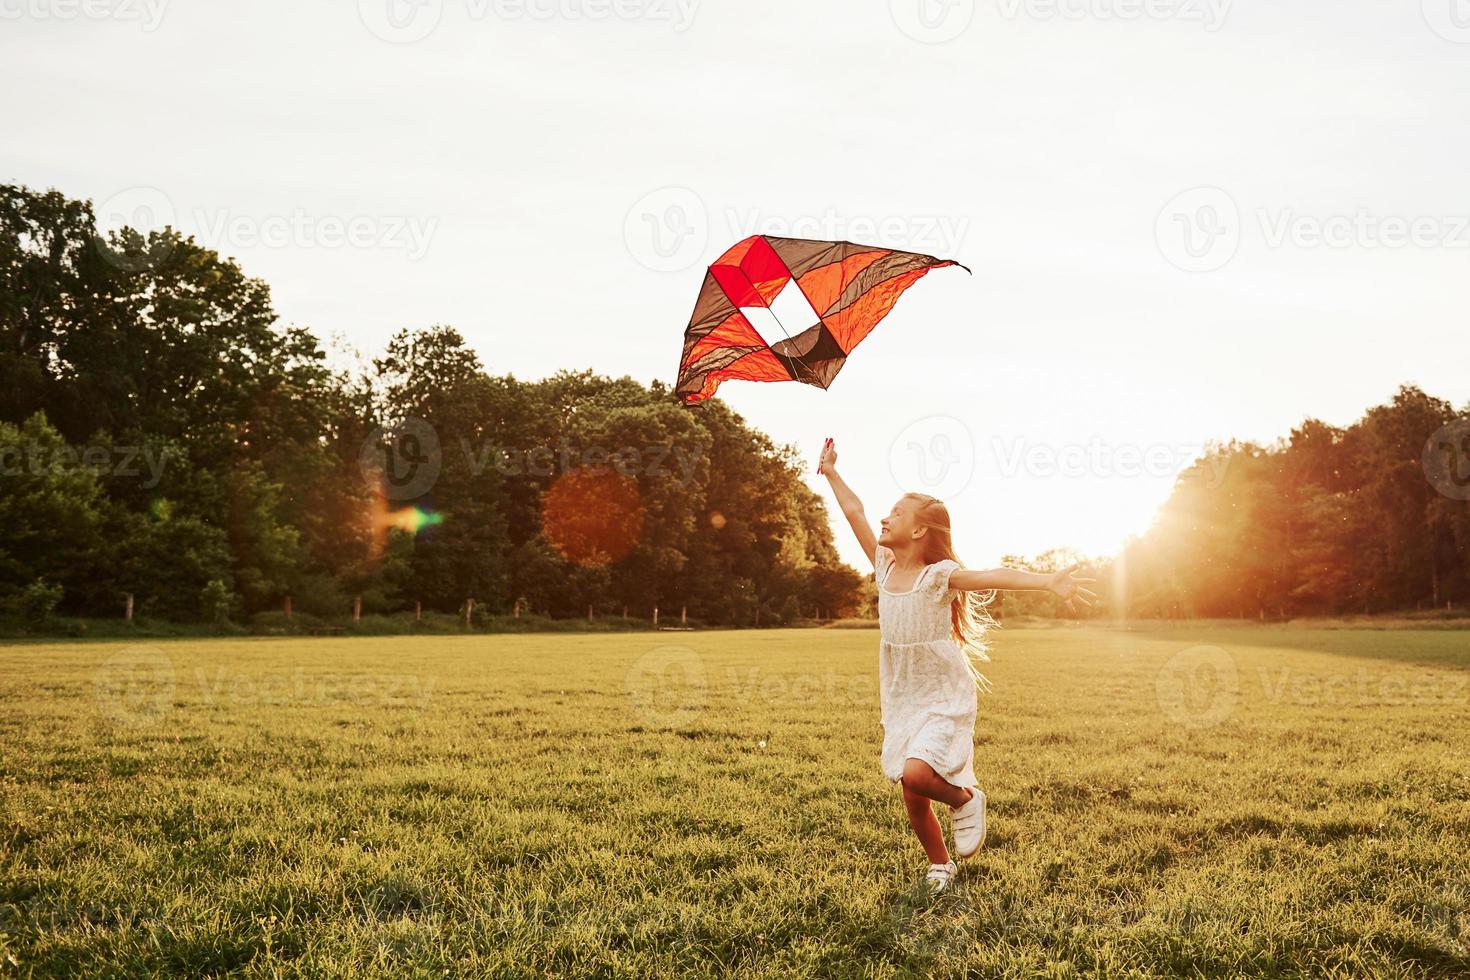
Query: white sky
[(509, 171)]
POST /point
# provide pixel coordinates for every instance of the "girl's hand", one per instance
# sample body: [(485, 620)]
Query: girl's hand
[(827, 463), (1067, 584)]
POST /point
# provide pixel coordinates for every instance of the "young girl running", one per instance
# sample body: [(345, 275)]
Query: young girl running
[(932, 619)]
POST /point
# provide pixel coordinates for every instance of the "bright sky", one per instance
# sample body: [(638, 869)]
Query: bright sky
[(1188, 219)]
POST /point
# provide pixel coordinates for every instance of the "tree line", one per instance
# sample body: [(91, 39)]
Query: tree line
[(163, 436)]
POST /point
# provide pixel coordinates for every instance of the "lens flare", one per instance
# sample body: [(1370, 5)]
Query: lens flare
[(592, 516), (410, 520)]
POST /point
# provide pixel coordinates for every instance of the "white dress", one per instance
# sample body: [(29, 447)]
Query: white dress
[(926, 691)]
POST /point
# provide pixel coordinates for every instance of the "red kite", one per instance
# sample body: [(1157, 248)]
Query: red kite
[(787, 309)]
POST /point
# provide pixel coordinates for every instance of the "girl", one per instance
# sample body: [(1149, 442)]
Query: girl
[(932, 624)]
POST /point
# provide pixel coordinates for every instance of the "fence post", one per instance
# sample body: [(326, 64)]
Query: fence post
[(683, 615), (625, 612), (469, 612), (655, 615), (128, 612), (356, 609), (589, 612), (516, 609), (418, 611), (288, 607)]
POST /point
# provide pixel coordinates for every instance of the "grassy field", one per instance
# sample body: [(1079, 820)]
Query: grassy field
[(1210, 802)]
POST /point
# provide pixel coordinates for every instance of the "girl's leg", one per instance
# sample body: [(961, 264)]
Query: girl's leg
[(919, 777), (925, 824)]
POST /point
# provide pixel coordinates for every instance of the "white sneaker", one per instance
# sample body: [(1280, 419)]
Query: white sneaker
[(969, 824), (940, 875)]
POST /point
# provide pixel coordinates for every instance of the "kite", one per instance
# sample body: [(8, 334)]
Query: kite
[(788, 309)]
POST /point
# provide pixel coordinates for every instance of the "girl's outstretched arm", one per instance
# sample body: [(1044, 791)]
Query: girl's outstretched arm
[(852, 507), (1065, 583)]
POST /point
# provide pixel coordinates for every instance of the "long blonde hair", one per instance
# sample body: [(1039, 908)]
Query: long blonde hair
[(969, 612)]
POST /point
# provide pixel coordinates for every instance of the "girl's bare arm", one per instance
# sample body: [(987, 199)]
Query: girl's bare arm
[(852, 507), (1065, 583)]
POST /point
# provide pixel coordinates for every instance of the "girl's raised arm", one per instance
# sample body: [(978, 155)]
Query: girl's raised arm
[(852, 507)]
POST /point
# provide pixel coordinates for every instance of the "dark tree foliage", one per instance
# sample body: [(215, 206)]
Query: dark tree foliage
[(167, 437)]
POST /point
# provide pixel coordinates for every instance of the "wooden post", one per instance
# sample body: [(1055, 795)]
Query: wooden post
[(625, 612), (288, 607), (589, 612), (683, 615), (469, 612), (356, 610), (418, 611), (516, 609), (128, 611), (655, 615)]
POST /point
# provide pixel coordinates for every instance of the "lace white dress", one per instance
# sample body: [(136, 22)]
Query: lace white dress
[(926, 691)]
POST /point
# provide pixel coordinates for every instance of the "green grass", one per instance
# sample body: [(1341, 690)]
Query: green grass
[(1198, 802)]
